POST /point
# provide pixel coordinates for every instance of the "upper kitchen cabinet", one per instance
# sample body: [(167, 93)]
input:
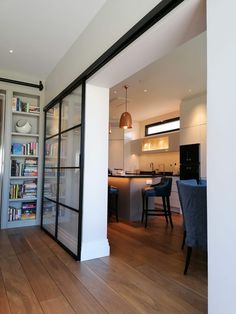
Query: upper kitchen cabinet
[(162, 143)]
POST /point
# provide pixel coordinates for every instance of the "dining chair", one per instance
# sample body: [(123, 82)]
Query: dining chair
[(194, 205)]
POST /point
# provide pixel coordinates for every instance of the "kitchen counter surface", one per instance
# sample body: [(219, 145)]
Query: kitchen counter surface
[(140, 176)]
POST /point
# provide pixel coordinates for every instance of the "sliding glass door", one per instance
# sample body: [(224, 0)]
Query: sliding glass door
[(61, 205)]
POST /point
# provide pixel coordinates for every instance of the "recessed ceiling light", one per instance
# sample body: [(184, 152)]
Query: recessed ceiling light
[(145, 90), (10, 51)]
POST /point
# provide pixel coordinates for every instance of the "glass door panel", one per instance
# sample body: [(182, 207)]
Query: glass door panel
[(69, 187), (68, 228), (61, 187), (70, 148), (49, 216), (52, 121), (51, 152), (71, 110)]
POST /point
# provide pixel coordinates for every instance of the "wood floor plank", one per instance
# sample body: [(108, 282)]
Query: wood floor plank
[(81, 300), (106, 296), (137, 288), (20, 294), (44, 287), (4, 305), (6, 248), (144, 273), (169, 265), (56, 306)]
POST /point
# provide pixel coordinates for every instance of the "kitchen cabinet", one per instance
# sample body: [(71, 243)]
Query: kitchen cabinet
[(158, 144)]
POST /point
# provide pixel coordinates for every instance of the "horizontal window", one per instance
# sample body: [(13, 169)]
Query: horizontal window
[(162, 127)]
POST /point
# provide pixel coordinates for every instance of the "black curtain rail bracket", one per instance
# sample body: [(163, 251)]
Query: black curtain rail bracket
[(39, 86)]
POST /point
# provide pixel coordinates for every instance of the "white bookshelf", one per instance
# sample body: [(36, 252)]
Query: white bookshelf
[(11, 203)]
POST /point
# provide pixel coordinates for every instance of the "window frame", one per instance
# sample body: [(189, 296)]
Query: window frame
[(147, 126)]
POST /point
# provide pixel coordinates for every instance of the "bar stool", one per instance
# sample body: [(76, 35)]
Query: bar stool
[(113, 193), (162, 189)]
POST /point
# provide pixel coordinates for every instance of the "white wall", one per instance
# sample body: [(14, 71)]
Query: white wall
[(112, 21), (221, 172), (94, 220), (193, 124)]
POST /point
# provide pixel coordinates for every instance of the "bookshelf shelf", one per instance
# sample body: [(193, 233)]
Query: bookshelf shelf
[(23, 199), (21, 223), (23, 177), (23, 156), (20, 113), (24, 135)]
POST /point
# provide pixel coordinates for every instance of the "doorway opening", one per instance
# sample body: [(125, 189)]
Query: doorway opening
[(165, 70)]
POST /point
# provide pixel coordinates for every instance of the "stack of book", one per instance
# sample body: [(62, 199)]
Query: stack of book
[(16, 191), (30, 167), (21, 106), (28, 210), (29, 189), (17, 168), (14, 213), (29, 149)]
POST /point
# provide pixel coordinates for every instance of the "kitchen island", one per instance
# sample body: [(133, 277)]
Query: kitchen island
[(130, 194)]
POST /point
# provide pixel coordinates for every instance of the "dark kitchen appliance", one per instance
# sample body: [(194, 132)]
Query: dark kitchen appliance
[(189, 162)]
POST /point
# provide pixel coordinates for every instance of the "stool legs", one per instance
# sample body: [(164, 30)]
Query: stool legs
[(143, 199), (116, 207), (169, 211), (113, 205), (164, 208), (146, 212)]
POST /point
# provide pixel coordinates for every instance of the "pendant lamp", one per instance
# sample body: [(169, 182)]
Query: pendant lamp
[(125, 119)]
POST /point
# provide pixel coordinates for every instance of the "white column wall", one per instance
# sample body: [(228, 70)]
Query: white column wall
[(94, 220), (193, 124), (221, 158)]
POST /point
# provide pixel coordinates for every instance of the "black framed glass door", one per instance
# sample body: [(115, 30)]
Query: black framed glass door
[(61, 197)]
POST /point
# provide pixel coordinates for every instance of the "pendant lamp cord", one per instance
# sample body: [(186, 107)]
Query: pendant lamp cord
[(126, 87)]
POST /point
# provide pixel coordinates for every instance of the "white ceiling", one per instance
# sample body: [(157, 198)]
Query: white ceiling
[(41, 32), (179, 75), (162, 65)]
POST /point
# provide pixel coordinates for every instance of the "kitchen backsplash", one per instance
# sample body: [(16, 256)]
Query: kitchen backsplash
[(162, 161)]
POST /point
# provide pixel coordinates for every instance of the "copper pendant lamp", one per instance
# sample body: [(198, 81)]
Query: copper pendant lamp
[(125, 119)]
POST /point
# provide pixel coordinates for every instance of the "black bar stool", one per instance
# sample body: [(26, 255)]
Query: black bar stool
[(162, 189), (113, 193)]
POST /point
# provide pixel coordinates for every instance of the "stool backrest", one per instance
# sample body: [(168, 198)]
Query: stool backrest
[(164, 187)]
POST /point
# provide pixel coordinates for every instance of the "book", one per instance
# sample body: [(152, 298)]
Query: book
[(17, 149), (28, 211), (14, 213)]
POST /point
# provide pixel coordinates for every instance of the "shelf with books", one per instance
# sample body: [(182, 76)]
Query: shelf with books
[(25, 211), (25, 103)]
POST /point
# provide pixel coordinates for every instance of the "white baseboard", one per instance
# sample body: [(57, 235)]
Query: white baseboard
[(96, 249)]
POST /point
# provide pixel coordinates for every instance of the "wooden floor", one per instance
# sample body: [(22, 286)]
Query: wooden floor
[(144, 274)]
